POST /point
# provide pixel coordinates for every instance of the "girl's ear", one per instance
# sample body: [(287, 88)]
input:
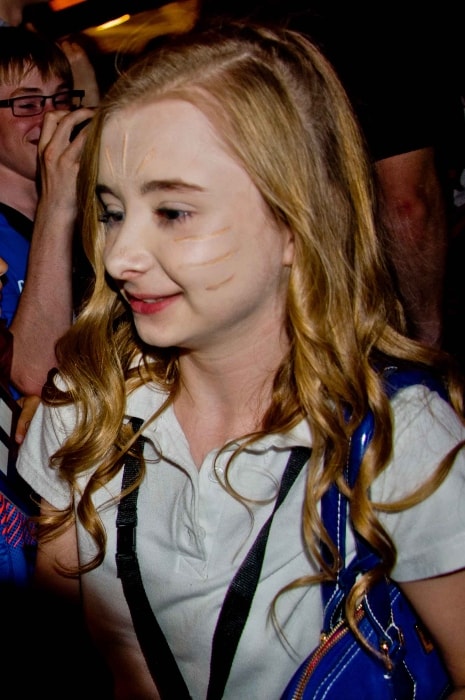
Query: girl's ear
[(288, 248)]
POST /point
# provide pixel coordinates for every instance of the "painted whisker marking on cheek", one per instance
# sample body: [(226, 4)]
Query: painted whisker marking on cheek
[(204, 237), (212, 261), (214, 287)]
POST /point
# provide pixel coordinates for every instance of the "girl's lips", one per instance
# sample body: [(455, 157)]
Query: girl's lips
[(150, 305)]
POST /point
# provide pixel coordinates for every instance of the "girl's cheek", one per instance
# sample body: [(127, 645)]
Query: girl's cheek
[(210, 259)]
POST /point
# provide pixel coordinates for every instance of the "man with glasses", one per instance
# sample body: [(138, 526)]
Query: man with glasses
[(39, 107), (32, 105)]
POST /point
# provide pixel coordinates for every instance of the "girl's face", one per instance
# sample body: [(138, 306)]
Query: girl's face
[(189, 240)]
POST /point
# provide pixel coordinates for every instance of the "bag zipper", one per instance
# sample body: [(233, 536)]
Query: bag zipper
[(326, 644)]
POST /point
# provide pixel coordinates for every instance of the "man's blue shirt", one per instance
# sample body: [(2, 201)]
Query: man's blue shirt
[(15, 237), (14, 249)]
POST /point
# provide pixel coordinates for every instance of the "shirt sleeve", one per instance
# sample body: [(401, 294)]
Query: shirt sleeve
[(430, 536), (48, 430)]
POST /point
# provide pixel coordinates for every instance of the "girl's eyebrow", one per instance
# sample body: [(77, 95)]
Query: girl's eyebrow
[(175, 185), (157, 186)]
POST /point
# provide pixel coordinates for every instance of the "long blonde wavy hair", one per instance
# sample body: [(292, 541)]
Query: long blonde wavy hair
[(284, 116)]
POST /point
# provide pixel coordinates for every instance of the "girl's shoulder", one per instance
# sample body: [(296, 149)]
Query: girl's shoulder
[(145, 400)]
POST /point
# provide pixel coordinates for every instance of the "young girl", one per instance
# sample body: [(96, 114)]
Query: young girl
[(241, 304)]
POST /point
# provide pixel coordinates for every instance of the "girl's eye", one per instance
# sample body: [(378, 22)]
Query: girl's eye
[(109, 218), (172, 215)]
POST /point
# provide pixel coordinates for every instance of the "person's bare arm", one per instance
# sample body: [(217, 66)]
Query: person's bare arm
[(414, 213), (44, 311), (440, 602), (84, 76)]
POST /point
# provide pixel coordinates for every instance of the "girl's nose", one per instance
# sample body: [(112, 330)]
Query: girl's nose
[(126, 255)]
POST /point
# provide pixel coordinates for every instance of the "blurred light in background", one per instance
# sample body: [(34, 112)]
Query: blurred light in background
[(62, 4), (120, 26), (138, 29), (113, 23)]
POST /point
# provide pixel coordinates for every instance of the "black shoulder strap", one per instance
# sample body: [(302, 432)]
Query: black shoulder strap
[(160, 660), (238, 599), (236, 606)]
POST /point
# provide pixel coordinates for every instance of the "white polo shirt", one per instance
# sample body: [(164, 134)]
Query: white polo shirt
[(192, 536)]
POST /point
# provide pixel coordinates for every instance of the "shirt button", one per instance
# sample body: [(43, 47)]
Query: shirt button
[(214, 473)]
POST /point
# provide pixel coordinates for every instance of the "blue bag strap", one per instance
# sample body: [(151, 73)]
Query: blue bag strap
[(334, 508)]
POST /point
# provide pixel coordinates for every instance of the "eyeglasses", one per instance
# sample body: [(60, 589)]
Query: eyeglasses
[(32, 105)]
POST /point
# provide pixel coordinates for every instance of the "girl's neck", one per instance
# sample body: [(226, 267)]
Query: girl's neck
[(226, 396)]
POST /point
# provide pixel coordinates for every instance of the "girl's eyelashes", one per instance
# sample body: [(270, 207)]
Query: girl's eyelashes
[(108, 217), (170, 215), (166, 216)]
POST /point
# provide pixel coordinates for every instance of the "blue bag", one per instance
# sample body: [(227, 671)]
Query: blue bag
[(408, 666)]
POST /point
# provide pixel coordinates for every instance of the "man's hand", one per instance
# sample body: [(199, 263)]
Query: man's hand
[(59, 158), (29, 406)]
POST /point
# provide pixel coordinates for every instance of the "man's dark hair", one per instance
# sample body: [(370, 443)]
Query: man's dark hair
[(22, 50)]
